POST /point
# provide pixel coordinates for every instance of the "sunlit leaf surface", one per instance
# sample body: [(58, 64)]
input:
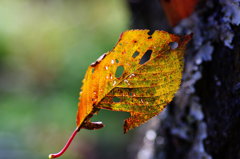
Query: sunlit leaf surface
[(140, 76)]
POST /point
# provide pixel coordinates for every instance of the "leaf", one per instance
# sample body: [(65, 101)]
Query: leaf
[(140, 76), (176, 10)]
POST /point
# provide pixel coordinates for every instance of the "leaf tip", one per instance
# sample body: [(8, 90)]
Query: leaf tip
[(185, 39)]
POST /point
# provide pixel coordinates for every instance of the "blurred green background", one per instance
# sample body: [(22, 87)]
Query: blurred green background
[(45, 49)]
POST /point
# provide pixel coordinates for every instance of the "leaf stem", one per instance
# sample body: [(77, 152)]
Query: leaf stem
[(60, 153)]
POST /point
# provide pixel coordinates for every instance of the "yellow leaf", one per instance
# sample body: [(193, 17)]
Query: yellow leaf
[(140, 76)]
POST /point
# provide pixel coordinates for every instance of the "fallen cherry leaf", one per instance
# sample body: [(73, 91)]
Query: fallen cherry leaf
[(140, 76)]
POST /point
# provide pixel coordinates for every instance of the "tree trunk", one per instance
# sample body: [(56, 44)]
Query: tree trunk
[(203, 121)]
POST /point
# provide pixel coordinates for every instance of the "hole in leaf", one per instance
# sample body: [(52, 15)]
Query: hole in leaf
[(146, 57), (173, 45), (130, 94), (150, 34), (116, 99), (135, 54), (93, 70), (119, 71), (117, 61)]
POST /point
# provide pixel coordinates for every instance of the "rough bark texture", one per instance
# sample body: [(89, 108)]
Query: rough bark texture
[(219, 89), (203, 120)]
